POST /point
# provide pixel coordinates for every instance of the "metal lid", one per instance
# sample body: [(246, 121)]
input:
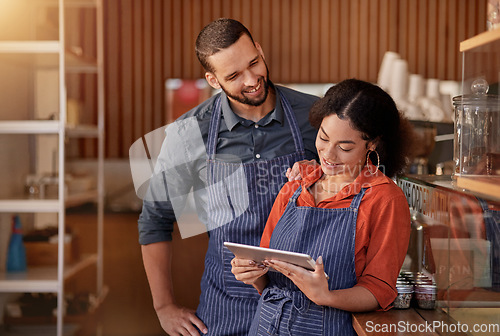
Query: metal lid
[(479, 95)]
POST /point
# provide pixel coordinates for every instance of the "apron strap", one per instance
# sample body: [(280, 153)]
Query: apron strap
[(294, 126), (213, 130), (357, 199)]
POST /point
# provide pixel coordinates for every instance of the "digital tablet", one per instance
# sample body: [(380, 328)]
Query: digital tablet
[(259, 254)]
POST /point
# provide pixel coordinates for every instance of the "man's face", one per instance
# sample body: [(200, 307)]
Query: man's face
[(241, 72)]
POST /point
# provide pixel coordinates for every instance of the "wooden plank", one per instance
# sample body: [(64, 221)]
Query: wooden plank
[(403, 29), (185, 40), (147, 66), (373, 54), (441, 40), (393, 26), (364, 41), (275, 59), (480, 40), (431, 46), (324, 53), (315, 41), (333, 56), (345, 36), (113, 99), (422, 39), (286, 42), (296, 42), (157, 62), (266, 22), (452, 42), (412, 37), (485, 185), (305, 40), (137, 69), (354, 43), (126, 75)]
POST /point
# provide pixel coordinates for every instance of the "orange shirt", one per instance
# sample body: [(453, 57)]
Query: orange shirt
[(382, 227)]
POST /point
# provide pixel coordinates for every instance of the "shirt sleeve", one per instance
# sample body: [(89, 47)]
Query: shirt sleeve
[(169, 186), (277, 211), (389, 231)]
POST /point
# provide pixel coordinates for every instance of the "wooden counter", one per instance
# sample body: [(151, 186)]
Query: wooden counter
[(403, 322)]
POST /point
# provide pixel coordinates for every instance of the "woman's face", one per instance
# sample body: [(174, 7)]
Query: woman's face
[(341, 149)]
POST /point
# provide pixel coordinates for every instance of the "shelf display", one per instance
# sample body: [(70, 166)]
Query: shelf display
[(41, 65)]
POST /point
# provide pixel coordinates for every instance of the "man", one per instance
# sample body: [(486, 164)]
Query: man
[(251, 132)]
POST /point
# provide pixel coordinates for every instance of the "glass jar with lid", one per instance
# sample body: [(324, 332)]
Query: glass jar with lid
[(477, 131)]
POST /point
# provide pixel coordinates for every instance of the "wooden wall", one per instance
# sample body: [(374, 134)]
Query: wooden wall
[(305, 41)]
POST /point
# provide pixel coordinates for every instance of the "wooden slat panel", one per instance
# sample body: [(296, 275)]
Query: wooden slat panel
[(354, 43), (113, 108), (147, 66), (333, 56), (364, 42), (414, 31), (422, 39), (345, 34), (148, 41), (315, 41), (431, 47), (274, 59), (452, 40), (304, 31), (158, 101), (138, 73), (374, 57)]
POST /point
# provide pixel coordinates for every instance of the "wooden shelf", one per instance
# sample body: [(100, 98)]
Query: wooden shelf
[(82, 131), (71, 319), (41, 279), (29, 127), (47, 205), (29, 205), (488, 186), (480, 40), (35, 47)]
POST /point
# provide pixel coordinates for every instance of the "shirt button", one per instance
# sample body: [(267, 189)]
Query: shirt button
[(256, 126), (257, 156)]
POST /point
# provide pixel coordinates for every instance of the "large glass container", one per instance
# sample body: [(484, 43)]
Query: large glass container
[(477, 131)]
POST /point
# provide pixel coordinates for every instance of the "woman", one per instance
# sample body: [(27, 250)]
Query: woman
[(346, 212)]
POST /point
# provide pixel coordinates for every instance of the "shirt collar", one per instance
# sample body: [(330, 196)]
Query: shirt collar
[(365, 179), (232, 119)]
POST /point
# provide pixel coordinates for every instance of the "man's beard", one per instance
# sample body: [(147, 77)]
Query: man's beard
[(252, 102)]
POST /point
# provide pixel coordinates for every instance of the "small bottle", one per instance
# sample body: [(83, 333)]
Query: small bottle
[(16, 253)]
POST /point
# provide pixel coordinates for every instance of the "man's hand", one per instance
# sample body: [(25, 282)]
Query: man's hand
[(180, 321), (294, 173)]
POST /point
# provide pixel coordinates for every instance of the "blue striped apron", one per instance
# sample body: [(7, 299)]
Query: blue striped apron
[(283, 309), (242, 205)]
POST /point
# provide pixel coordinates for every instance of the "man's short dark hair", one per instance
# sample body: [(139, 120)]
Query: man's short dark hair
[(217, 35)]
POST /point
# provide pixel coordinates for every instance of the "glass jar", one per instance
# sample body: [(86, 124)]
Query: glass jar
[(426, 296), (405, 294), (477, 132)]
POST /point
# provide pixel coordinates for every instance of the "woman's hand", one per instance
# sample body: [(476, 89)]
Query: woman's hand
[(247, 270), (294, 173), (313, 284)]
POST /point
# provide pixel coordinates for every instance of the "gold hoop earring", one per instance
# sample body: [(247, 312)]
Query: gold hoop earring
[(368, 157)]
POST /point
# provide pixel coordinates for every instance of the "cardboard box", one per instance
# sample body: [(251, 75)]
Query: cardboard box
[(45, 253)]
